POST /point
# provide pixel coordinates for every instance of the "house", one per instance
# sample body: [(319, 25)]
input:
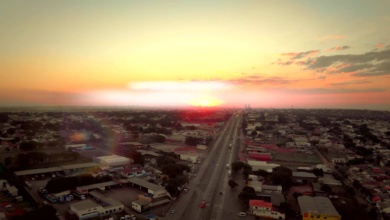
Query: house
[(339, 160), (303, 177), (135, 171), (88, 208), (189, 157), (260, 188), (260, 208), (141, 205), (318, 207)]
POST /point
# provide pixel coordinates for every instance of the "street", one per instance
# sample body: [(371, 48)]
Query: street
[(211, 179)]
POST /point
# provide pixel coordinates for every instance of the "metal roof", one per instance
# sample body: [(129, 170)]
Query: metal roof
[(85, 204), (38, 171), (317, 205), (146, 184), (303, 174), (80, 165)]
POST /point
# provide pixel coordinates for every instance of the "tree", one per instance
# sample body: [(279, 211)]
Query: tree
[(281, 176), (253, 133), (247, 194), (326, 188), (318, 172), (193, 141), (159, 138), (232, 184), (162, 160), (138, 158), (262, 173), (27, 145), (237, 165)]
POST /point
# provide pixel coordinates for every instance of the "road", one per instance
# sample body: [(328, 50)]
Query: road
[(211, 179)]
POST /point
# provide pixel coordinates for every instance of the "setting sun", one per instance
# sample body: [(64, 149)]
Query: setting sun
[(206, 102)]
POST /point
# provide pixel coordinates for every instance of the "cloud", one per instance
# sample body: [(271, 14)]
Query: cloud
[(295, 57), (379, 45), (333, 91), (374, 63), (300, 55), (350, 82), (181, 85), (260, 80), (338, 48), (329, 37)]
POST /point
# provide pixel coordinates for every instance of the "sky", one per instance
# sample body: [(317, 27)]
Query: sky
[(269, 54)]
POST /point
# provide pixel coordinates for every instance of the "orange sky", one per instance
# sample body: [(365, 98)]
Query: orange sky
[(159, 53)]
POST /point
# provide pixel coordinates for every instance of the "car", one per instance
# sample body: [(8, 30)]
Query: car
[(203, 204), (241, 214), (173, 211)]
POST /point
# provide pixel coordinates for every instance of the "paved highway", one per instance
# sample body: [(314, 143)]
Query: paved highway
[(211, 179)]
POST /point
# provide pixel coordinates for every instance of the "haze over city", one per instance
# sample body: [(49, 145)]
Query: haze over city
[(306, 54)]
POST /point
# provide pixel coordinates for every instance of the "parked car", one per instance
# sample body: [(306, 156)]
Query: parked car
[(241, 214), (203, 204)]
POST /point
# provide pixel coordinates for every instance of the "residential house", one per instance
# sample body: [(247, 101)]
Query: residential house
[(260, 208)]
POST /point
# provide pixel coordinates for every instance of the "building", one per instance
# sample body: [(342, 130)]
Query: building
[(339, 160), (140, 205), (260, 188), (262, 165), (88, 208), (303, 177), (260, 208), (189, 157), (112, 161), (85, 209), (135, 170), (156, 190), (70, 147), (318, 208)]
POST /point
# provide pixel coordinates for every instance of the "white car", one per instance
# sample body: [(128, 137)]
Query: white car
[(241, 214)]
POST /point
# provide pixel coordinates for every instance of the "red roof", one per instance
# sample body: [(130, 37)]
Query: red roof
[(376, 198), (260, 203)]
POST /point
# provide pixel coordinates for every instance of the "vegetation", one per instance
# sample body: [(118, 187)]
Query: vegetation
[(70, 183), (232, 184), (281, 176), (45, 212), (247, 194)]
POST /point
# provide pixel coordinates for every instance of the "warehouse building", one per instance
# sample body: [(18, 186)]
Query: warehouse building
[(318, 208), (112, 161)]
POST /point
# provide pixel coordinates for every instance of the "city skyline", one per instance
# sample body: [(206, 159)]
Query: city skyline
[(269, 54)]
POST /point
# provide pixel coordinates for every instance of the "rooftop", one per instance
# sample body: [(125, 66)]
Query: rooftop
[(303, 174), (85, 204), (145, 184), (318, 205), (260, 203)]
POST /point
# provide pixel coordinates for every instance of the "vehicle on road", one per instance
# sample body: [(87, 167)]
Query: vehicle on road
[(229, 173), (173, 211), (241, 214), (203, 204), (227, 166)]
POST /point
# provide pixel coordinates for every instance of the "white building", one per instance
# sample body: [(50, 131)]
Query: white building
[(189, 157), (87, 208), (264, 209), (140, 205), (112, 161)]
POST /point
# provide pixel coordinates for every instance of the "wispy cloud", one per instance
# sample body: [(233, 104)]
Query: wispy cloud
[(332, 91), (338, 48), (379, 45), (351, 82), (374, 63), (292, 57), (329, 37)]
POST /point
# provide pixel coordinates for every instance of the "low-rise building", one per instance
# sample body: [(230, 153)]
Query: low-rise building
[(88, 209), (141, 205), (319, 207), (264, 209)]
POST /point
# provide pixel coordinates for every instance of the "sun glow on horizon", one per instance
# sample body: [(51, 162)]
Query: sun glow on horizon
[(206, 102)]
